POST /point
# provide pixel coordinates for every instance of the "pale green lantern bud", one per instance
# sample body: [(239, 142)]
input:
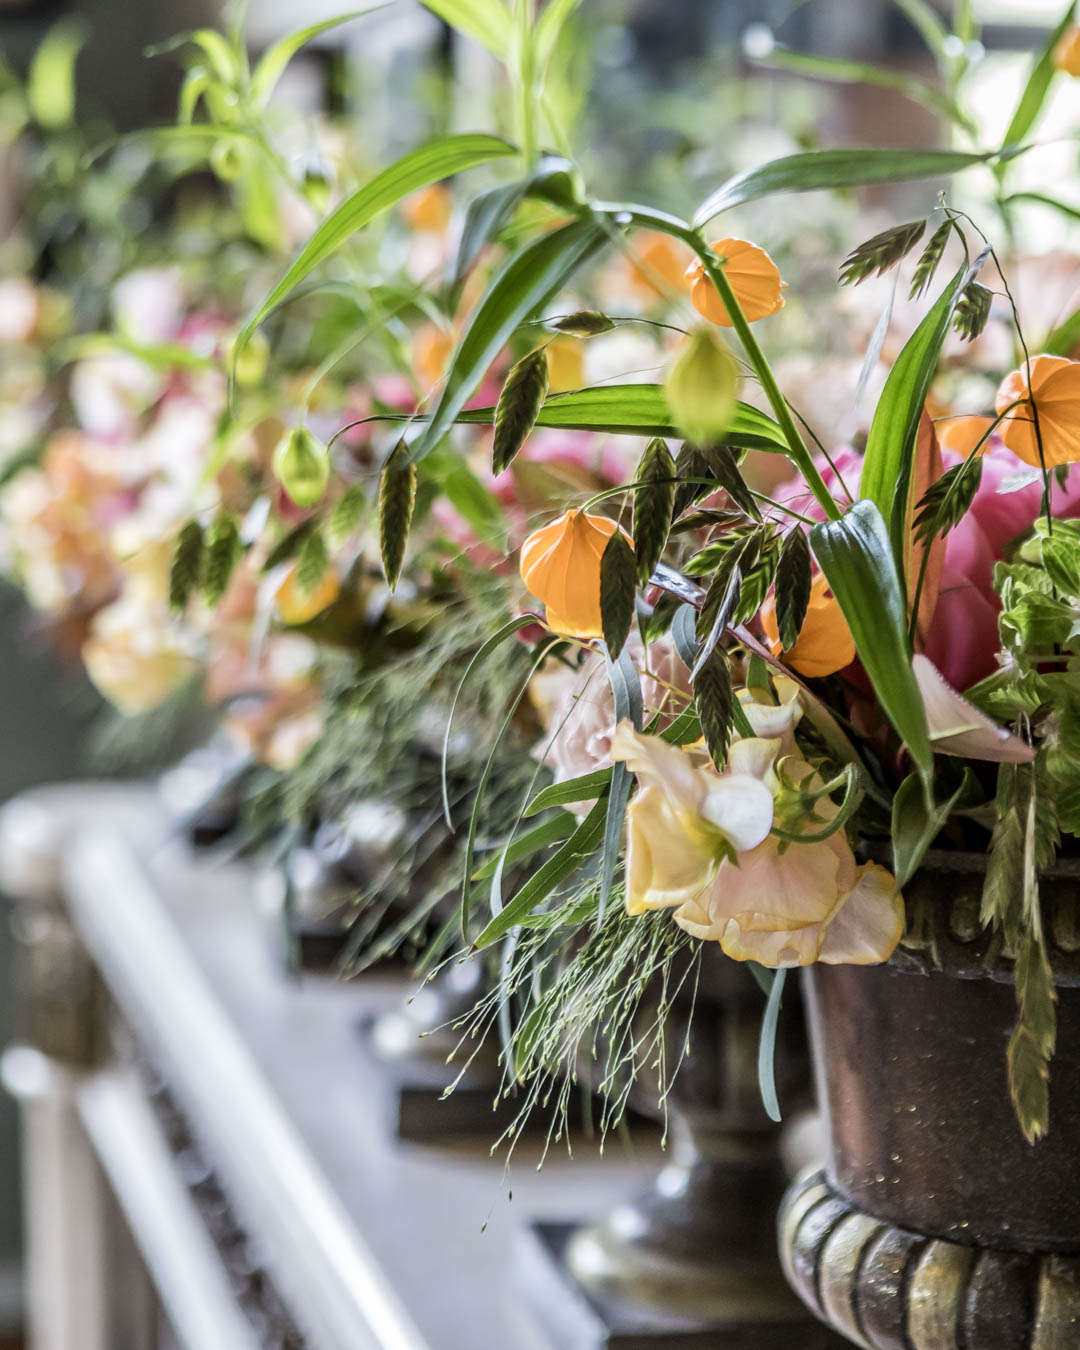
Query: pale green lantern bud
[(250, 365), (700, 387), (301, 464)]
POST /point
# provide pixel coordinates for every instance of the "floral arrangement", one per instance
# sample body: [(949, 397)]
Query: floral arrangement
[(771, 669)]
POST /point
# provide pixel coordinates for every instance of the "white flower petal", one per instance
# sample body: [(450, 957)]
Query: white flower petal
[(741, 806), (957, 727)]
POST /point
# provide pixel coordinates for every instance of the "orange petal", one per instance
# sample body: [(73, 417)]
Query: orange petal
[(752, 274), (825, 644), (1052, 385)]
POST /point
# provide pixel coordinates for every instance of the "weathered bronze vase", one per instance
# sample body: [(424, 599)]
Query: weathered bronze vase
[(935, 1225)]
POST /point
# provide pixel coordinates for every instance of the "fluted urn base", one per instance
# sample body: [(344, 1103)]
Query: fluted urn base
[(887, 1288)]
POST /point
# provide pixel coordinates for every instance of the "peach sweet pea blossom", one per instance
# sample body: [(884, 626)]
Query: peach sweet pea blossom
[(700, 842)]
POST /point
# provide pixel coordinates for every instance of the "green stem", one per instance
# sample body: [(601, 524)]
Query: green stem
[(524, 76), (797, 448)]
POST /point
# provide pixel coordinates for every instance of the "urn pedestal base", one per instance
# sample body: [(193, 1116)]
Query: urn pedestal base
[(884, 1286), (582, 1317)]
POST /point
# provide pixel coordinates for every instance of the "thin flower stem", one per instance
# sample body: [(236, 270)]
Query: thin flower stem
[(797, 449)]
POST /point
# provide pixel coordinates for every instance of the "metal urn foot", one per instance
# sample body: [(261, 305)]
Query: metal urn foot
[(884, 1286), (692, 1262), (935, 1224)]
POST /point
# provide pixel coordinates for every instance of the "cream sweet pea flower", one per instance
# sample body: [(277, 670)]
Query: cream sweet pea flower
[(686, 818), (701, 842)]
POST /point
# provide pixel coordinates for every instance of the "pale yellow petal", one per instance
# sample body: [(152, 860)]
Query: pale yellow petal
[(869, 924)]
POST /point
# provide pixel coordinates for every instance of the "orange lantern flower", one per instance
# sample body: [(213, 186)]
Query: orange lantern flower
[(296, 606), (753, 276), (824, 645), (560, 564), (432, 349), (961, 435), (1050, 386), (656, 265), (430, 208), (1067, 52), (566, 364)]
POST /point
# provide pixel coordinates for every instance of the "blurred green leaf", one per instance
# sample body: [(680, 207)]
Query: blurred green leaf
[(1038, 82), (440, 158), (273, 62), (486, 20), (527, 280), (818, 169), (50, 80)]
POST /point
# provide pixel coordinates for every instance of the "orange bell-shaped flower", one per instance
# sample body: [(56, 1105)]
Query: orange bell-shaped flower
[(560, 564), (1067, 52), (824, 645), (1052, 384), (295, 606), (963, 435), (752, 274)]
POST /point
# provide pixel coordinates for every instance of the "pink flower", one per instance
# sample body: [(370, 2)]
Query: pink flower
[(963, 637)]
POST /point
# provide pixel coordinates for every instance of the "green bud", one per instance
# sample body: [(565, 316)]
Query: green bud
[(700, 387), (252, 362), (301, 464), (228, 159)]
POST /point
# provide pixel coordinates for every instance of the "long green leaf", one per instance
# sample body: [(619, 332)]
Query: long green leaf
[(767, 1046), (638, 410), (915, 826), (486, 20), (275, 59), (549, 831), (856, 556), (557, 868), (550, 25), (839, 71), (572, 790), (437, 159), (626, 692), (1038, 82), (835, 169), (890, 446), (527, 280)]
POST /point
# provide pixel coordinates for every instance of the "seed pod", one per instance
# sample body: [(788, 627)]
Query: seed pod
[(301, 464)]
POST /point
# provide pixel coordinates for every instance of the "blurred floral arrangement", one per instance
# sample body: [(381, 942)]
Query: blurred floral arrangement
[(772, 668)]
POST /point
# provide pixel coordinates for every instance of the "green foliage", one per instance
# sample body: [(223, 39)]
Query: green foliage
[(519, 405), (439, 158), (223, 551), (930, 259), (528, 279), (618, 575), (584, 323), (348, 513), (1037, 85), (947, 500), (973, 311), (653, 505), (816, 169), (880, 254), (185, 573), (397, 498), (715, 703), (856, 556), (312, 564), (890, 446), (793, 580)]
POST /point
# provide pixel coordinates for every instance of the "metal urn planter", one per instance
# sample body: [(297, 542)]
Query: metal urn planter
[(692, 1261), (935, 1225)]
